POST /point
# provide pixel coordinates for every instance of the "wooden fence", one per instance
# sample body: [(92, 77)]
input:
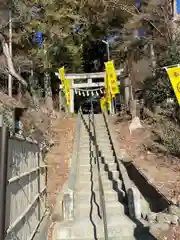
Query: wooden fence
[(23, 187)]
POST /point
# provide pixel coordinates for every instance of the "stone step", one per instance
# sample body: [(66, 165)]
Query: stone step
[(83, 146), (84, 159), (107, 155), (83, 197), (84, 143), (107, 149), (84, 165), (110, 166), (118, 226), (104, 147), (84, 129), (104, 174), (102, 136), (84, 138), (106, 152), (108, 160), (112, 208), (84, 152), (103, 141), (86, 184)]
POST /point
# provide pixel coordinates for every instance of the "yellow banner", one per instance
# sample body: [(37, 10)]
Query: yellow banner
[(65, 84), (103, 104), (174, 76), (111, 77), (67, 90), (62, 75), (107, 90)]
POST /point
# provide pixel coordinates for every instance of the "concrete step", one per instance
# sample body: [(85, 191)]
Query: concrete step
[(84, 152), (109, 166), (84, 142), (107, 154), (103, 141), (104, 174), (106, 151), (108, 160), (84, 135), (84, 138), (106, 148), (86, 184), (85, 160), (112, 208), (84, 131), (110, 196), (118, 226), (84, 165), (84, 157), (102, 136), (85, 187), (84, 146)]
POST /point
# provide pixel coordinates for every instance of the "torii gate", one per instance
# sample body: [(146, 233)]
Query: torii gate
[(84, 80)]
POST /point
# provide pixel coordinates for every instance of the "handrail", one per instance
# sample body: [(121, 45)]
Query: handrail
[(101, 189)]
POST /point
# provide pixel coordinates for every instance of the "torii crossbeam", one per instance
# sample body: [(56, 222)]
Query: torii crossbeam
[(85, 80)]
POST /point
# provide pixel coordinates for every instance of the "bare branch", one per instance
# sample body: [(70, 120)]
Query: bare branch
[(11, 69), (125, 8)]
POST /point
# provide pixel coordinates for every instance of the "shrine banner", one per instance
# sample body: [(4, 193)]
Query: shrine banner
[(107, 90), (62, 75), (174, 76), (67, 90), (103, 104), (111, 78)]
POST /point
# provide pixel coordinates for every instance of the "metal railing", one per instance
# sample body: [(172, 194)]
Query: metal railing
[(23, 187), (101, 189)]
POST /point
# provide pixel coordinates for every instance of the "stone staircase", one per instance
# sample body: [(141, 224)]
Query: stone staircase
[(88, 221)]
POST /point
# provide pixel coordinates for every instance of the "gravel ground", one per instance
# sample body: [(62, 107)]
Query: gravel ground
[(62, 133)]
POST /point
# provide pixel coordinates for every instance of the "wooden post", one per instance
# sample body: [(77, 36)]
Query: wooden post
[(126, 92), (60, 100)]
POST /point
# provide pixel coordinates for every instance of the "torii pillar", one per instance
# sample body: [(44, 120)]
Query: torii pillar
[(71, 107)]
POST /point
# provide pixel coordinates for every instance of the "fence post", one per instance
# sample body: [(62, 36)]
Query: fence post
[(4, 136)]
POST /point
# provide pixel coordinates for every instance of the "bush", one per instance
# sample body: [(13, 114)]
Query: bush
[(169, 136)]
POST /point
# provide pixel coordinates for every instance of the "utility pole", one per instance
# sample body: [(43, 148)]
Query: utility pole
[(10, 51)]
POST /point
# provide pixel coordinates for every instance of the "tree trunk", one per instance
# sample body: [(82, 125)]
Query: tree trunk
[(48, 92), (153, 58), (126, 92), (10, 64)]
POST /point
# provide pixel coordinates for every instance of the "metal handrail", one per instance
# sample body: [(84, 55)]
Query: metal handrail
[(101, 189)]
